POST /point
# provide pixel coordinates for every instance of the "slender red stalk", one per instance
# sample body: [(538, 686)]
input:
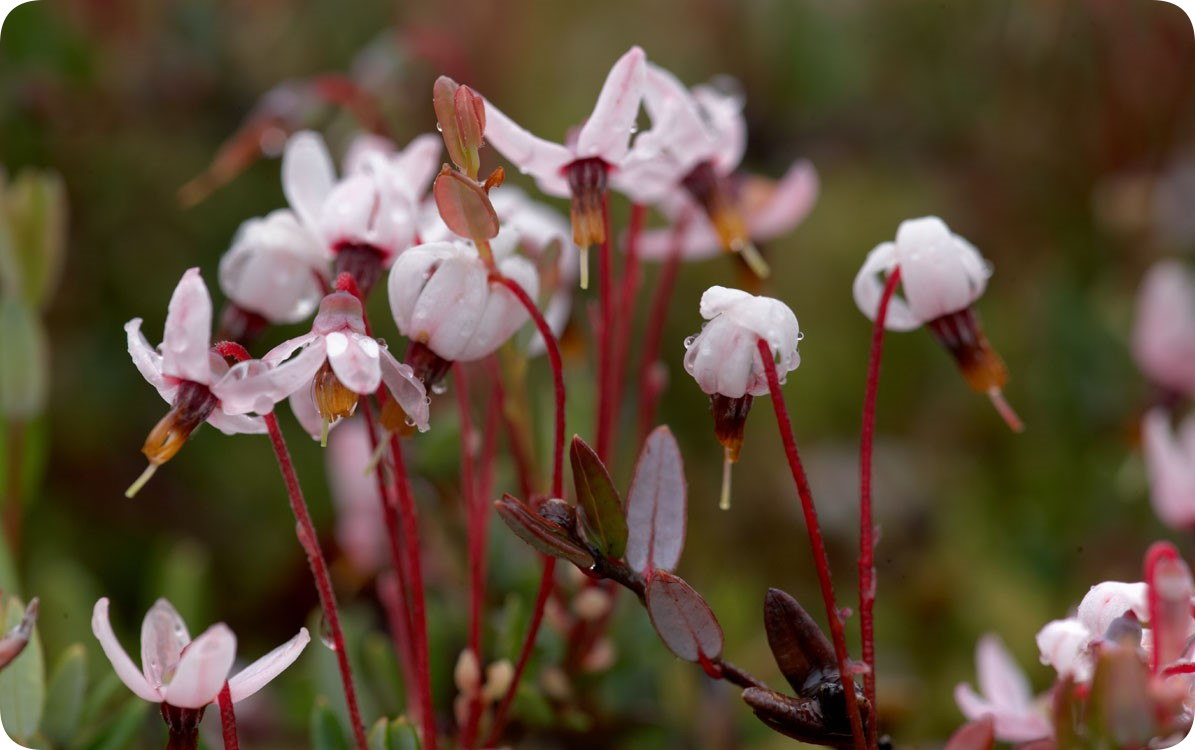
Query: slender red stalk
[(867, 578), (228, 719), (518, 442), (390, 593), (305, 530), (620, 340), (820, 560), (606, 330), (1186, 667), (401, 624), (470, 503), (409, 527), (1158, 553), (557, 490), (649, 390)]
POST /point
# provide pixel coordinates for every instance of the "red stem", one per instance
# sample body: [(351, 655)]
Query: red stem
[(649, 393), (470, 503), (409, 527), (867, 578), (305, 530), (606, 412), (1158, 552), (518, 449), (228, 719), (622, 330), (557, 490), (821, 562)]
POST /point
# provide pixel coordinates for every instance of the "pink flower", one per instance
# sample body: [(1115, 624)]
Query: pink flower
[(185, 371), (723, 357), (443, 299), (1005, 697), (374, 207), (580, 168), (336, 364), (185, 673), (1170, 461), (275, 267), (941, 275), (1069, 645), (1164, 331), (769, 208)]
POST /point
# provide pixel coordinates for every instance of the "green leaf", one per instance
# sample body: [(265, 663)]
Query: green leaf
[(393, 734), (326, 730), (24, 360), (23, 682), (604, 521), (64, 695), (121, 732)]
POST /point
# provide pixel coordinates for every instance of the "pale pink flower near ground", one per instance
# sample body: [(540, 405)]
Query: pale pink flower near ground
[(1004, 695), (275, 268), (1164, 329), (1069, 645), (1170, 462), (188, 673), (941, 276), (335, 364)]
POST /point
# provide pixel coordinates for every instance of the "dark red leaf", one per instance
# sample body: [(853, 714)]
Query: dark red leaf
[(657, 506), (683, 620)]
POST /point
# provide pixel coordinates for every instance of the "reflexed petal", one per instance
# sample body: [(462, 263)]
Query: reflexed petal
[(365, 148), (789, 203), (283, 351), (416, 165), (607, 132), (147, 360), (255, 385), (1063, 645), (355, 360), (1112, 599), (409, 275), (724, 118), (940, 273), (869, 289), (361, 211), (676, 120), (163, 637), (1000, 679), (1012, 723), (274, 268), (254, 677), (646, 176), (407, 389), (203, 668), (1171, 467), (307, 175), (237, 424), (188, 334), (126, 670), (529, 153), (302, 404)]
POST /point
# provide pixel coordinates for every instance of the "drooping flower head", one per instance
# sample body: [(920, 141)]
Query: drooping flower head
[(445, 302), (1164, 330), (941, 275), (185, 675), (184, 370), (370, 215), (724, 359), (582, 167), (326, 371), (275, 272)]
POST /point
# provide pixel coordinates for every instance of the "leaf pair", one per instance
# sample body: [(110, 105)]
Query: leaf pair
[(818, 713)]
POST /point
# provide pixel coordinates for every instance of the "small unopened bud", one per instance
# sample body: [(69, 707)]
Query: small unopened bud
[(556, 684), (600, 657), (460, 112), (498, 677), (467, 674), (592, 604)]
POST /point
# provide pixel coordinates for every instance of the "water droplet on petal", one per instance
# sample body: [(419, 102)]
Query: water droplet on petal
[(689, 341), (409, 421), (439, 389)]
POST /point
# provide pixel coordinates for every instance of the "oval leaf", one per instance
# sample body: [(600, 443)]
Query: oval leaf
[(547, 537), (23, 681), (464, 206), (802, 651), (656, 506), (603, 517), (800, 719), (683, 620)]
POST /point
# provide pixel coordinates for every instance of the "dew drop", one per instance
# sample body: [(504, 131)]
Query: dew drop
[(439, 128), (325, 633), (439, 389), (689, 341), (800, 335), (409, 421)]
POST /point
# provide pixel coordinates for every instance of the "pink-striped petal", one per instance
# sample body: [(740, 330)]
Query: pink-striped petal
[(203, 668), (529, 153), (126, 670), (255, 385), (607, 132), (307, 175), (163, 637), (147, 360), (255, 676), (188, 334)]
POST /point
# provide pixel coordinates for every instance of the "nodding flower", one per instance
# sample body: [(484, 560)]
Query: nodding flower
[(1164, 330), (1170, 462), (184, 370), (582, 167), (1004, 695), (941, 276), (724, 360)]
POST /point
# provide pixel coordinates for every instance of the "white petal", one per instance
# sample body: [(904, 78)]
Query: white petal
[(1063, 645), (307, 175), (126, 670), (147, 360), (405, 388), (188, 335), (254, 677), (203, 668), (718, 299), (255, 385), (163, 637), (354, 358), (1112, 599), (237, 424), (869, 289), (302, 404), (1000, 679), (724, 118), (790, 203), (364, 148), (408, 276), (503, 313), (1171, 467), (274, 268), (607, 132), (940, 273), (529, 153), (414, 168)]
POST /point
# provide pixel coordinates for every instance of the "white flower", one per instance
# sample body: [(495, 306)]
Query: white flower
[(1164, 330), (724, 359), (274, 268), (442, 297), (185, 673), (940, 273), (1067, 645), (1006, 695), (1170, 461)]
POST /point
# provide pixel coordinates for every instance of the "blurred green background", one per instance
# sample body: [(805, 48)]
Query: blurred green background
[(1053, 134)]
